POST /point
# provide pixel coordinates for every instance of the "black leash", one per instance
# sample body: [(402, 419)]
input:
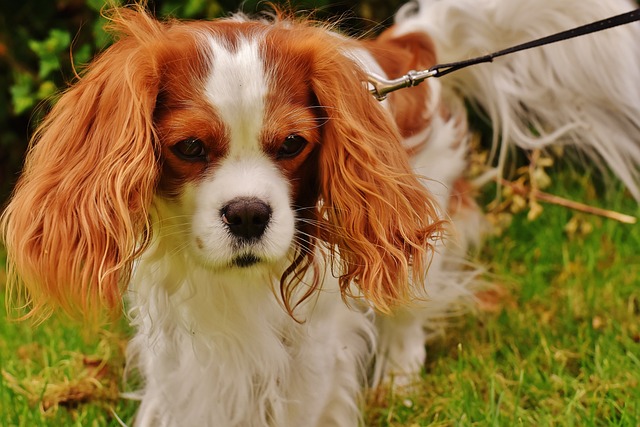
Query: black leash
[(382, 87)]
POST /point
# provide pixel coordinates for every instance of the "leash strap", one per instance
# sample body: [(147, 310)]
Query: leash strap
[(381, 87)]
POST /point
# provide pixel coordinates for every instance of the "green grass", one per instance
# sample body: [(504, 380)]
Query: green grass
[(559, 347), (57, 375), (557, 344)]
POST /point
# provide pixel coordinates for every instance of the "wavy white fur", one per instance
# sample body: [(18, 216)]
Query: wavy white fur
[(221, 351), (584, 92)]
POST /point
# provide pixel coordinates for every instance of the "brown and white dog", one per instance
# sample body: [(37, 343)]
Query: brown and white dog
[(267, 218)]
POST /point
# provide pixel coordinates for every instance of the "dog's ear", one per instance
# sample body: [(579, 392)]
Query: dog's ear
[(379, 219), (79, 213)]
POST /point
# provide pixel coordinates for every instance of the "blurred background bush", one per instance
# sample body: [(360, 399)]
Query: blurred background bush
[(44, 43)]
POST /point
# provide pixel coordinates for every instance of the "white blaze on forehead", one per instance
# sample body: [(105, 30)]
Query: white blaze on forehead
[(237, 86)]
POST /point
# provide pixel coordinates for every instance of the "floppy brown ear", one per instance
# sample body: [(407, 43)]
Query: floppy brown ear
[(378, 216), (79, 213)]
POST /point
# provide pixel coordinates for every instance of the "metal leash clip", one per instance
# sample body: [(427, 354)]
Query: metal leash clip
[(381, 87)]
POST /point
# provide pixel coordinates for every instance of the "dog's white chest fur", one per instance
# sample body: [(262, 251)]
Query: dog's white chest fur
[(220, 351)]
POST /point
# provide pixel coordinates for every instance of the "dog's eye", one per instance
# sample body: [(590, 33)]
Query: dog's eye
[(291, 147), (190, 149)]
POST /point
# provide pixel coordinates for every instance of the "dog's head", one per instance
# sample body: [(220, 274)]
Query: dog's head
[(260, 139)]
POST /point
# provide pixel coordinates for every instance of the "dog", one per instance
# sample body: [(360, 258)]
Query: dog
[(280, 236)]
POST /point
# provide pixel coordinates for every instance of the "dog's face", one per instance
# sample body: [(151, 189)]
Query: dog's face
[(239, 144), (259, 139)]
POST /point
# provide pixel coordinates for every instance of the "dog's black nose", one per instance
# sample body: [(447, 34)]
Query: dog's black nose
[(246, 218)]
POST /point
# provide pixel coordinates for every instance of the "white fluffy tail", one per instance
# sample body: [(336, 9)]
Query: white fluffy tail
[(584, 92)]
